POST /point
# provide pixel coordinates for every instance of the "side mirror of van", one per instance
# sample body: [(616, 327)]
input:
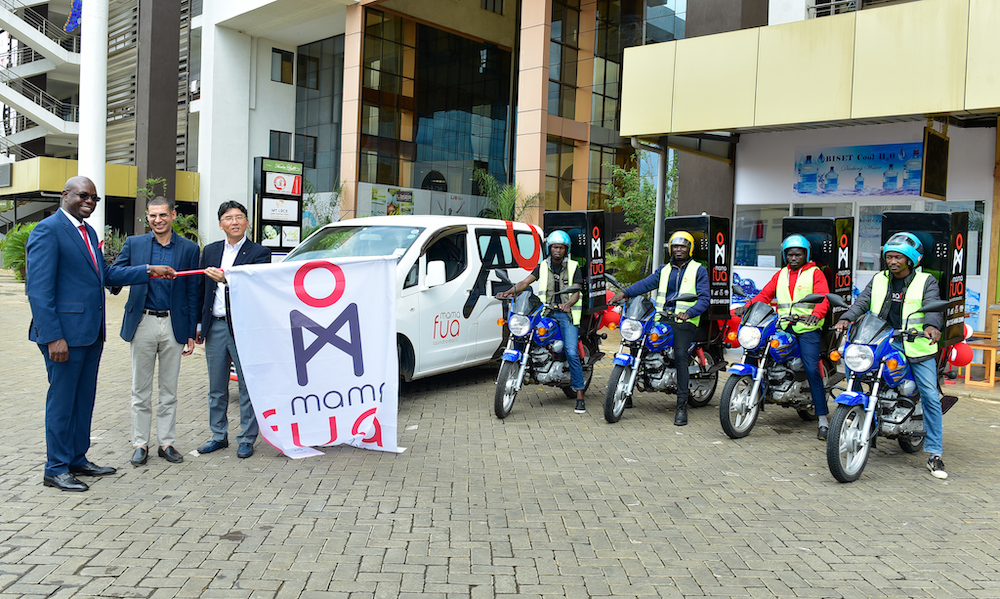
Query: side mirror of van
[(435, 273)]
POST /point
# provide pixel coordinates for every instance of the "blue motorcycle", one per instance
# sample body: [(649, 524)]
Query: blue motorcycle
[(646, 357), (890, 408), (771, 370), (535, 352)]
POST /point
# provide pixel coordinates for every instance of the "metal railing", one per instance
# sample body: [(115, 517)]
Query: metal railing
[(66, 112), (825, 8), (49, 29), (22, 153), (16, 58)]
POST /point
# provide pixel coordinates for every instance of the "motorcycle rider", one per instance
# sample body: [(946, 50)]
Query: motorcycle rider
[(797, 279), (683, 276), (896, 294), (557, 272)]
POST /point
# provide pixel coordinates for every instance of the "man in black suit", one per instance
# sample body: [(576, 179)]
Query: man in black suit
[(65, 285), (159, 324), (214, 328)]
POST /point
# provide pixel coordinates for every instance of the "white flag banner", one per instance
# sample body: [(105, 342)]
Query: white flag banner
[(317, 345)]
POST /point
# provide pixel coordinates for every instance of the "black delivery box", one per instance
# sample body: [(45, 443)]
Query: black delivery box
[(586, 232), (711, 248), (831, 247), (944, 236)]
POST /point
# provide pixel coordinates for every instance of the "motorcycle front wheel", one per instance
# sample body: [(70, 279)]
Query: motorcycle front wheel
[(701, 391), (738, 410), (503, 399), (618, 392), (846, 449)]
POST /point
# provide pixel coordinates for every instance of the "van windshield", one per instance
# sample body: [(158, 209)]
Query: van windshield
[(356, 241)]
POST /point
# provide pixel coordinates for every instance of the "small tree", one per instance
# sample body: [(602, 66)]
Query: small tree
[(325, 209), (505, 201), (148, 193), (634, 192)]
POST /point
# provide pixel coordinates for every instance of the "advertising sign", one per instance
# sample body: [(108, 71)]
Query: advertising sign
[(277, 204), (944, 236), (711, 248), (831, 247), (299, 328), (877, 170), (586, 232)]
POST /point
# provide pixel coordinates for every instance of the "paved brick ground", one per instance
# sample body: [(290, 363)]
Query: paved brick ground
[(546, 503)]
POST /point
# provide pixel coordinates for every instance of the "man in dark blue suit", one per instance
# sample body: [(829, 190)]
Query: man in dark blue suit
[(214, 328), (160, 319), (66, 275)]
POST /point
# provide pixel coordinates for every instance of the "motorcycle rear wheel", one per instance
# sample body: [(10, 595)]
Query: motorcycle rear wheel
[(617, 393), (701, 391), (846, 450), (911, 443), (737, 410), (503, 399)]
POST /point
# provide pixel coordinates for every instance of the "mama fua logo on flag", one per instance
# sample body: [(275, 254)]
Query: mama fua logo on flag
[(317, 348)]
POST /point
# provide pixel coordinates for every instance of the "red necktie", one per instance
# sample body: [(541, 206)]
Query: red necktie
[(86, 240)]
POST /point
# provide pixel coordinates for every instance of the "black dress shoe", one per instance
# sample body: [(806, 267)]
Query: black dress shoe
[(681, 418), (170, 454), (139, 456), (213, 445), (65, 482), (92, 469)]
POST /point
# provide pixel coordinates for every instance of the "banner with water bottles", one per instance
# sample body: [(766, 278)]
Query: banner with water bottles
[(881, 170)]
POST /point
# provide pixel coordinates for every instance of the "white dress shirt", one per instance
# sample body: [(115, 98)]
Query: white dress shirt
[(229, 253)]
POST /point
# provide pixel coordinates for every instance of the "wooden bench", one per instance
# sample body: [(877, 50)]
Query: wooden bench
[(989, 349)]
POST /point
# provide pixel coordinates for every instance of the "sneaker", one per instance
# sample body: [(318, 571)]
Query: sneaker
[(936, 465), (822, 433), (580, 407)]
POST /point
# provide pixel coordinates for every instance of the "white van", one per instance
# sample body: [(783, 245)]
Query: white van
[(446, 313)]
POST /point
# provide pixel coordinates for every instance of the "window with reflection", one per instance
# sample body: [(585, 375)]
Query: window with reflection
[(558, 173), (757, 235), (564, 49), (319, 101)]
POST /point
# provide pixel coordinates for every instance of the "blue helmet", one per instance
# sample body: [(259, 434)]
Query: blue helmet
[(795, 241), (557, 238), (907, 244)]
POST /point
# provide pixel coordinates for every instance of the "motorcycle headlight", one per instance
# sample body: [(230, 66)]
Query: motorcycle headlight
[(519, 325), (859, 358), (631, 329), (749, 337)]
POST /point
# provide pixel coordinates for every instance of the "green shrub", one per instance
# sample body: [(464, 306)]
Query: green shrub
[(13, 248)]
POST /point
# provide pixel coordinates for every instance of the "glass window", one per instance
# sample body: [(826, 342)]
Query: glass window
[(318, 109), (757, 235), (828, 210), (869, 249), (281, 65), (495, 251), (281, 145)]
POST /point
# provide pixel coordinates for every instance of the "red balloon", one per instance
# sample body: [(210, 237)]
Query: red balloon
[(960, 355), (610, 317)]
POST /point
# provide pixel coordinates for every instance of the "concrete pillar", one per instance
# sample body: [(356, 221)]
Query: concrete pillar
[(224, 161), (532, 100), (350, 127), (156, 104), (94, 101)]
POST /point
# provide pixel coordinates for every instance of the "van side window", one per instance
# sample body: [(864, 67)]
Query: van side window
[(494, 248), (411, 276), (452, 250)]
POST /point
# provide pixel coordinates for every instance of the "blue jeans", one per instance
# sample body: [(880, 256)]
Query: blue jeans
[(571, 339), (809, 343), (925, 373)]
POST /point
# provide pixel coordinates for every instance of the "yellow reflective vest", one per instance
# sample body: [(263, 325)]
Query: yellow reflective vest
[(786, 299), (689, 284), (912, 299), (565, 280)]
